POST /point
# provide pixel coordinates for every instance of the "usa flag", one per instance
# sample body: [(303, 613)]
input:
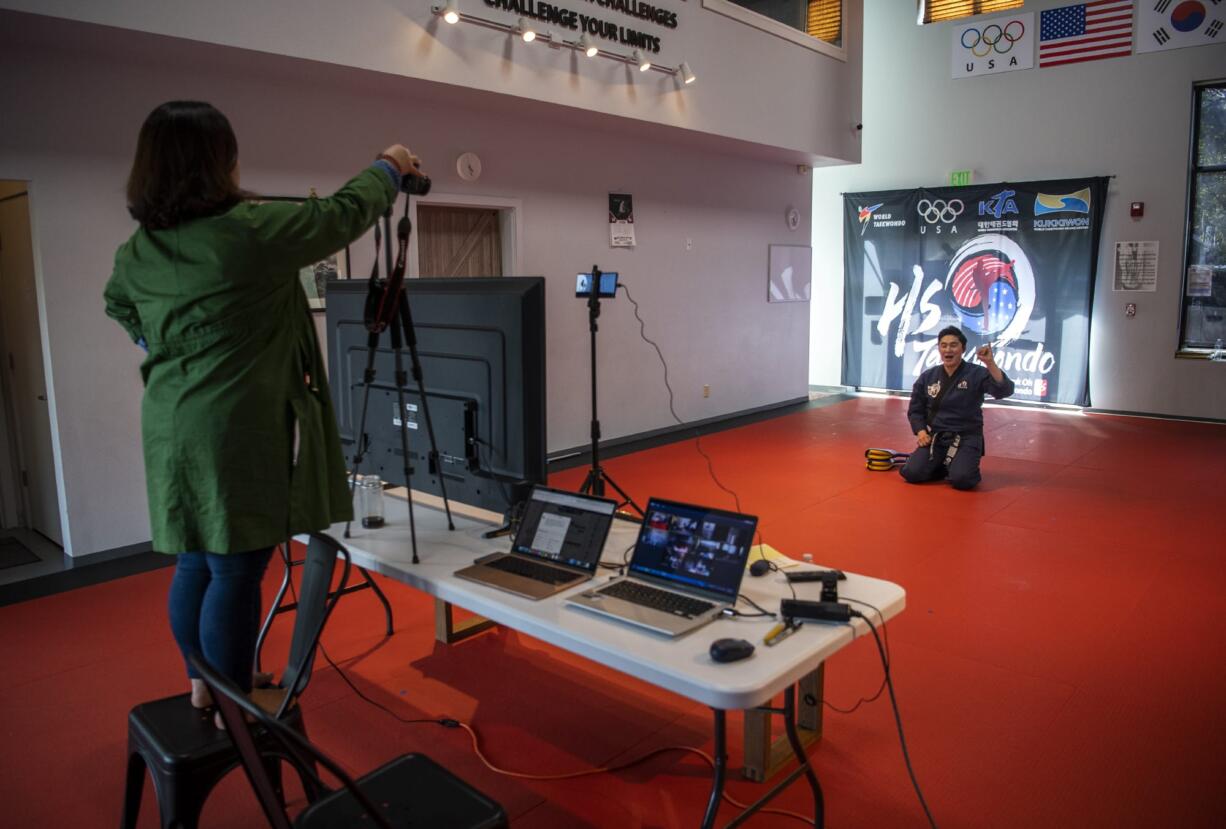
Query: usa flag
[(1087, 31)]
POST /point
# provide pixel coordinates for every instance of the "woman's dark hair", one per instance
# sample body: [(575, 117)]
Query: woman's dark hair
[(952, 331), (184, 165)]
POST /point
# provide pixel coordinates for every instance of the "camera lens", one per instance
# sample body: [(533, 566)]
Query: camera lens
[(415, 185)]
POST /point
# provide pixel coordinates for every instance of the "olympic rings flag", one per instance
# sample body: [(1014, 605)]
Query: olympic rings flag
[(1011, 264), (999, 44)]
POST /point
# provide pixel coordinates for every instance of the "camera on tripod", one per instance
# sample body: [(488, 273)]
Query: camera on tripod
[(414, 185), (606, 285)]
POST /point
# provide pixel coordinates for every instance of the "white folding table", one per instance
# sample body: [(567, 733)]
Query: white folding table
[(682, 665)]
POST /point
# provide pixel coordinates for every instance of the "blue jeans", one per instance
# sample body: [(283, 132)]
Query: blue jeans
[(215, 610)]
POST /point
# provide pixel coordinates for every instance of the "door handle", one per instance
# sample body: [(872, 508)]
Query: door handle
[(42, 397)]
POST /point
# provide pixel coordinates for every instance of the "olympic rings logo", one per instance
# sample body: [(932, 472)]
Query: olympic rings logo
[(939, 210), (992, 37)]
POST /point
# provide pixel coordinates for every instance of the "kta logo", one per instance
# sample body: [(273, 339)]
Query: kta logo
[(1078, 202), (991, 287), (999, 205), (866, 213)]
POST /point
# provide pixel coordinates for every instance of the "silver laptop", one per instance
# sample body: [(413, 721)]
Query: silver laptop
[(557, 545), (686, 568)]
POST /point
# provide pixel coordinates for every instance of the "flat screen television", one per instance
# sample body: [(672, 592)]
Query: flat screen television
[(481, 342)]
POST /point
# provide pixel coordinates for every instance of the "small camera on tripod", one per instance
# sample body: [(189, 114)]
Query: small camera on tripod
[(606, 287), (414, 185)]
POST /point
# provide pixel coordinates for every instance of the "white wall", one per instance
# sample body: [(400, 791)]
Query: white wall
[(72, 100), (752, 86), (1126, 117)]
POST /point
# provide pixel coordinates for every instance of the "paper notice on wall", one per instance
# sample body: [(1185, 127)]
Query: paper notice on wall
[(621, 220), (1200, 280), (1136, 266)]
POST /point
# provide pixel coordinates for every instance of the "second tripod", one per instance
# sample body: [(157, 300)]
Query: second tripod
[(598, 284), (387, 309)]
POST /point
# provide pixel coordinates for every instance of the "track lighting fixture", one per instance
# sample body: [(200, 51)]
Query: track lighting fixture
[(450, 12)]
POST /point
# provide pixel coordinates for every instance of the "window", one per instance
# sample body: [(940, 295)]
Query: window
[(934, 11), (1204, 294), (822, 19), (815, 24)]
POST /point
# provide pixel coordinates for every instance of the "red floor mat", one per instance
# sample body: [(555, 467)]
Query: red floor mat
[(1057, 665)]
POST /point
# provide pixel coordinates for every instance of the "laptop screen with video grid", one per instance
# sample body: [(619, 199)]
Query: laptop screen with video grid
[(564, 527), (694, 546)]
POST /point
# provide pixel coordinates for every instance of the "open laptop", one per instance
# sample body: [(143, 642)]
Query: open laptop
[(686, 568), (557, 545)]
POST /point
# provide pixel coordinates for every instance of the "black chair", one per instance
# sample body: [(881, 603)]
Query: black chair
[(411, 790), (181, 746)]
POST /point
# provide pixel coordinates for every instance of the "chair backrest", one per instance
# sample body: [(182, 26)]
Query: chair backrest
[(233, 705), (315, 600)]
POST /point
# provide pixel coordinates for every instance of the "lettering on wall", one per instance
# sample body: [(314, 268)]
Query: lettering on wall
[(611, 30)]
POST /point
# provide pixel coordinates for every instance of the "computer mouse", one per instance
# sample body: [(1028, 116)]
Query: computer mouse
[(760, 567), (730, 650)]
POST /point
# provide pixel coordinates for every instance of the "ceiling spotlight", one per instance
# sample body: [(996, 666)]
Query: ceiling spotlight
[(687, 75), (450, 13), (525, 31), (644, 63), (590, 49)]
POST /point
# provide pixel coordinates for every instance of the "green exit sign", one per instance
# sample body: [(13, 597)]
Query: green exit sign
[(960, 178)]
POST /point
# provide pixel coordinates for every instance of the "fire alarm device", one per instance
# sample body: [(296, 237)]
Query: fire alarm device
[(1130, 310), (1136, 209)]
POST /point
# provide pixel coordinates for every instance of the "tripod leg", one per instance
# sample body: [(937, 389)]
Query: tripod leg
[(401, 382), (406, 321), (626, 499), (359, 452), (594, 483)]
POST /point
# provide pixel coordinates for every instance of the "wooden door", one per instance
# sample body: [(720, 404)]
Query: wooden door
[(458, 241), (25, 380)]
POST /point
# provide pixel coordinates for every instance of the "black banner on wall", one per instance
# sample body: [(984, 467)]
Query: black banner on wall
[(1010, 264)]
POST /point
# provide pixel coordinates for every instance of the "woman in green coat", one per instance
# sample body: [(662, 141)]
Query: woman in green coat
[(240, 442)]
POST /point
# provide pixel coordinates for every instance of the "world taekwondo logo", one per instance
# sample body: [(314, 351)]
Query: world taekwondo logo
[(991, 286), (1078, 203), (866, 213)]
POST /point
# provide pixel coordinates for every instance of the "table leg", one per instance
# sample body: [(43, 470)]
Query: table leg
[(721, 762), (789, 721), (387, 608), (447, 631), (764, 755), (789, 716)]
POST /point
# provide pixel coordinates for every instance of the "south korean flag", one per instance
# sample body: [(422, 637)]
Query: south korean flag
[(1174, 24)]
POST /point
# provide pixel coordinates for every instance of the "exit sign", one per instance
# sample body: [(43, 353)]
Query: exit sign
[(960, 178)]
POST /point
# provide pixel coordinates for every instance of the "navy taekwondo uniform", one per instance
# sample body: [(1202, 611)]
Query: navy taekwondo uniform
[(957, 429)]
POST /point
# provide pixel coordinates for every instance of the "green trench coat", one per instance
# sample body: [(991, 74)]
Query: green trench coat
[(240, 441)]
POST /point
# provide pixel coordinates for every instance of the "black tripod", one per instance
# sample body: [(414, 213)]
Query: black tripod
[(387, 308), (596, 479)]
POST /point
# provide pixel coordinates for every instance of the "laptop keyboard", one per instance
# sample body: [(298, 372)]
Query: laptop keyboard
[(663, 600), (531, 570)]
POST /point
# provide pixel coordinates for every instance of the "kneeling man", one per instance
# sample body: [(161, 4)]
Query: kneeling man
[(946, 413)]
